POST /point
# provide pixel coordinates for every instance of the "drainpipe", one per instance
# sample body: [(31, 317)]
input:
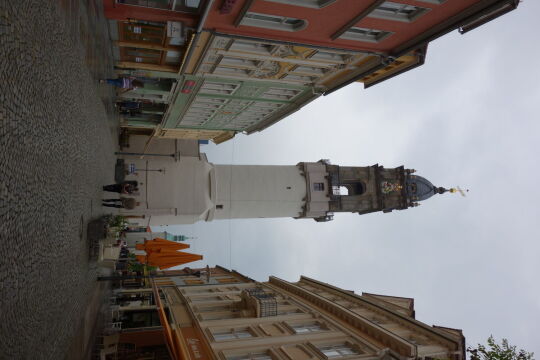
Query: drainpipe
[(205, 15), (195, 38)]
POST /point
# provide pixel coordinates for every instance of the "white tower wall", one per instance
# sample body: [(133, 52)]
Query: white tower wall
[(180, 193), (254, 191)]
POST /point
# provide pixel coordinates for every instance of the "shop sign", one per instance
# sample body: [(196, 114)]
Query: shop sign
[(188, 87), (195, 343), (174, 29)]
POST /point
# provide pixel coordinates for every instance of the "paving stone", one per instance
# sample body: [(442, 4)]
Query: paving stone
[(56, 151)]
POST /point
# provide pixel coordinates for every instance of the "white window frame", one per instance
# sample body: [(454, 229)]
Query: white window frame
[(252, 355), (210, 298), (232, 334), (317, 4), (396, 14), (343, 350), (436, 2), (289, 311), (365, 35), (211, 87), (274, 22), (286, 94), (174, 5), (309, 328)]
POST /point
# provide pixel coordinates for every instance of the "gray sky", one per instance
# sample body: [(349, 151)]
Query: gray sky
[(467, 117)]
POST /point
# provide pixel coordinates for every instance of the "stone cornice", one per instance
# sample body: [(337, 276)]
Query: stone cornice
[(387, 338)]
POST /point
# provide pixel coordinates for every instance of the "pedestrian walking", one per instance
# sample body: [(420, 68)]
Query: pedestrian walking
[(124, 83), (121, 203), (126, 187), (129, 107)]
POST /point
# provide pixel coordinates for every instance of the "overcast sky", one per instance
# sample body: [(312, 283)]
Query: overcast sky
[(468, 117)]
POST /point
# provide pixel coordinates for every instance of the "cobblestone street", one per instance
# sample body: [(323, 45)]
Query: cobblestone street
[(57, 141)]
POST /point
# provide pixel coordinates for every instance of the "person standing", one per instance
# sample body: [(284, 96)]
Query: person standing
[(126, 187), (121, 203)]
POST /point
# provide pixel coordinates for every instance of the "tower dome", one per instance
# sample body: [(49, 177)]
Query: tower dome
[(418, 188)]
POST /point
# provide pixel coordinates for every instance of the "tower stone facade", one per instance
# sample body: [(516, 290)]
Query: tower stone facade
[(361, 189)]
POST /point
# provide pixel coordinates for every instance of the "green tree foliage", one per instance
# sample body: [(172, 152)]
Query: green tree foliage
[(117, 221), (495, 351), (135, 266)]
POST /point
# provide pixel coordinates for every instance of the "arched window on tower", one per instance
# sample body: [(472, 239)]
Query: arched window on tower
[(353, 188)]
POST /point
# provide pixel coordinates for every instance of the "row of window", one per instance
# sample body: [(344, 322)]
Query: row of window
[(244, 59), (226, 307), (323, 3), (274, 329), (273, 93), (388, 10), (221, 280), (173, 5), (340, 350)]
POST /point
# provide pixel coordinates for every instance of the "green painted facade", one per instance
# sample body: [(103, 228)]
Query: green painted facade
[(214, 103), (235, 105)]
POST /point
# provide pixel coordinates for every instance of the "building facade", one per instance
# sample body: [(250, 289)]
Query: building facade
[(216, 68), (220, 314)]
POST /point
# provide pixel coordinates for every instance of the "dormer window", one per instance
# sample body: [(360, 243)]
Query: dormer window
[(399, 12), (317, 4), (274, 22), (367, 35)]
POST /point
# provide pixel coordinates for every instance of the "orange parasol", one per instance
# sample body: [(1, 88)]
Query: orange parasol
[(165, 259), (159, 243)]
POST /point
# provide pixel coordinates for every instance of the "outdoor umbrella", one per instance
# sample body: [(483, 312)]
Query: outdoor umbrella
[(165, 258), (159, 243)]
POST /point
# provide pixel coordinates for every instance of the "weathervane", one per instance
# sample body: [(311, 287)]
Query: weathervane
[(457, 189)]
